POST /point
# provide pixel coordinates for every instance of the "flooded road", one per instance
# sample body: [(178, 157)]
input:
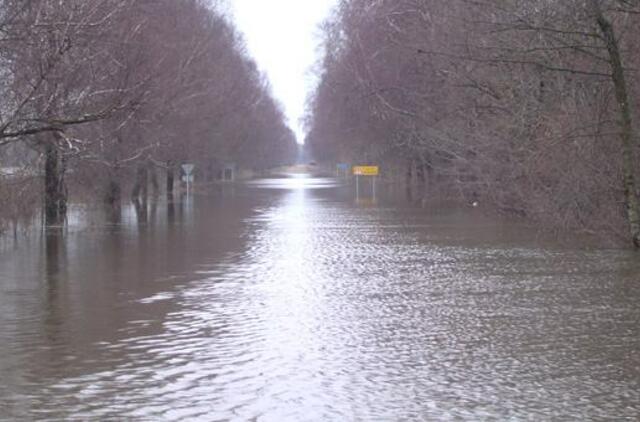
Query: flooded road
[(288, 300)]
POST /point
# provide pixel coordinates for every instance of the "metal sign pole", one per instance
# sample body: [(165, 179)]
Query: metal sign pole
[(374, 187), (357, 186)]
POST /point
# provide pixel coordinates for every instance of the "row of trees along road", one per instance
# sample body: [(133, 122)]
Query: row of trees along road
[(102, 95), (527, 105)]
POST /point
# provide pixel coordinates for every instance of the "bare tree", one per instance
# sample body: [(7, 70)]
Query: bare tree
[(117, 90), (515, 102)]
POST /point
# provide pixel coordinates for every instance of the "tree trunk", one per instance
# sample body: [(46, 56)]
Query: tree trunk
[(112, 192), (141, 210), (409, 180), (55, 196), (170, 178), (112, 199), (155, 186), (420, 174), (139, 191), (427, 176), (144, 183), (626, 135)]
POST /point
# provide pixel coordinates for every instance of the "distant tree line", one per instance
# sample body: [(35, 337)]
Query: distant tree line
[(530, 106), (105, 95)]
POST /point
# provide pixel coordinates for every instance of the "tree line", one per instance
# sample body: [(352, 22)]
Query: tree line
[(529, 106), (100, 97)]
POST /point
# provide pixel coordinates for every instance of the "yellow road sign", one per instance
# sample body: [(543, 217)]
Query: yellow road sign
[(366, 170)]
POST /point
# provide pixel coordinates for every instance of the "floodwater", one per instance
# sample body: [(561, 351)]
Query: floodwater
[(288, 300)]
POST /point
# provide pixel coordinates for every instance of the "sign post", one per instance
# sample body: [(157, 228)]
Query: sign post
[(374, 186), (372, 171), (342, 170), (188, 172)]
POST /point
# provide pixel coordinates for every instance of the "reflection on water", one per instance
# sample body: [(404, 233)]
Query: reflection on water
[(289, 300), (295, 182)]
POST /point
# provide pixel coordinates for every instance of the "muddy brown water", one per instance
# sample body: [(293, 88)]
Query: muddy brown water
[(289, 300)]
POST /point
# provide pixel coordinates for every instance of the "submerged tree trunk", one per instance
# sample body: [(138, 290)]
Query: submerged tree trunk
[(112, 195), (139, 191), (139, 194), (142, 211), (55, 195), (170, 179), (420, 175), (155, 186), (113, 191), (409, 180), (427, 176), (622, 97)]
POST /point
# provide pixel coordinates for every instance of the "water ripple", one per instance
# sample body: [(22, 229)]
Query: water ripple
[(334, 312)]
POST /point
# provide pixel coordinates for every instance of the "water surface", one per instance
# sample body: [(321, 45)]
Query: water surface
[(290, 300)]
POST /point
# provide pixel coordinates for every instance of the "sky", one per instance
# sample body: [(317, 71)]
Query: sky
[(283, 37)]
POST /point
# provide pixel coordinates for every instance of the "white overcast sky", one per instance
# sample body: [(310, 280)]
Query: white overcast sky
[(282, 36)]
